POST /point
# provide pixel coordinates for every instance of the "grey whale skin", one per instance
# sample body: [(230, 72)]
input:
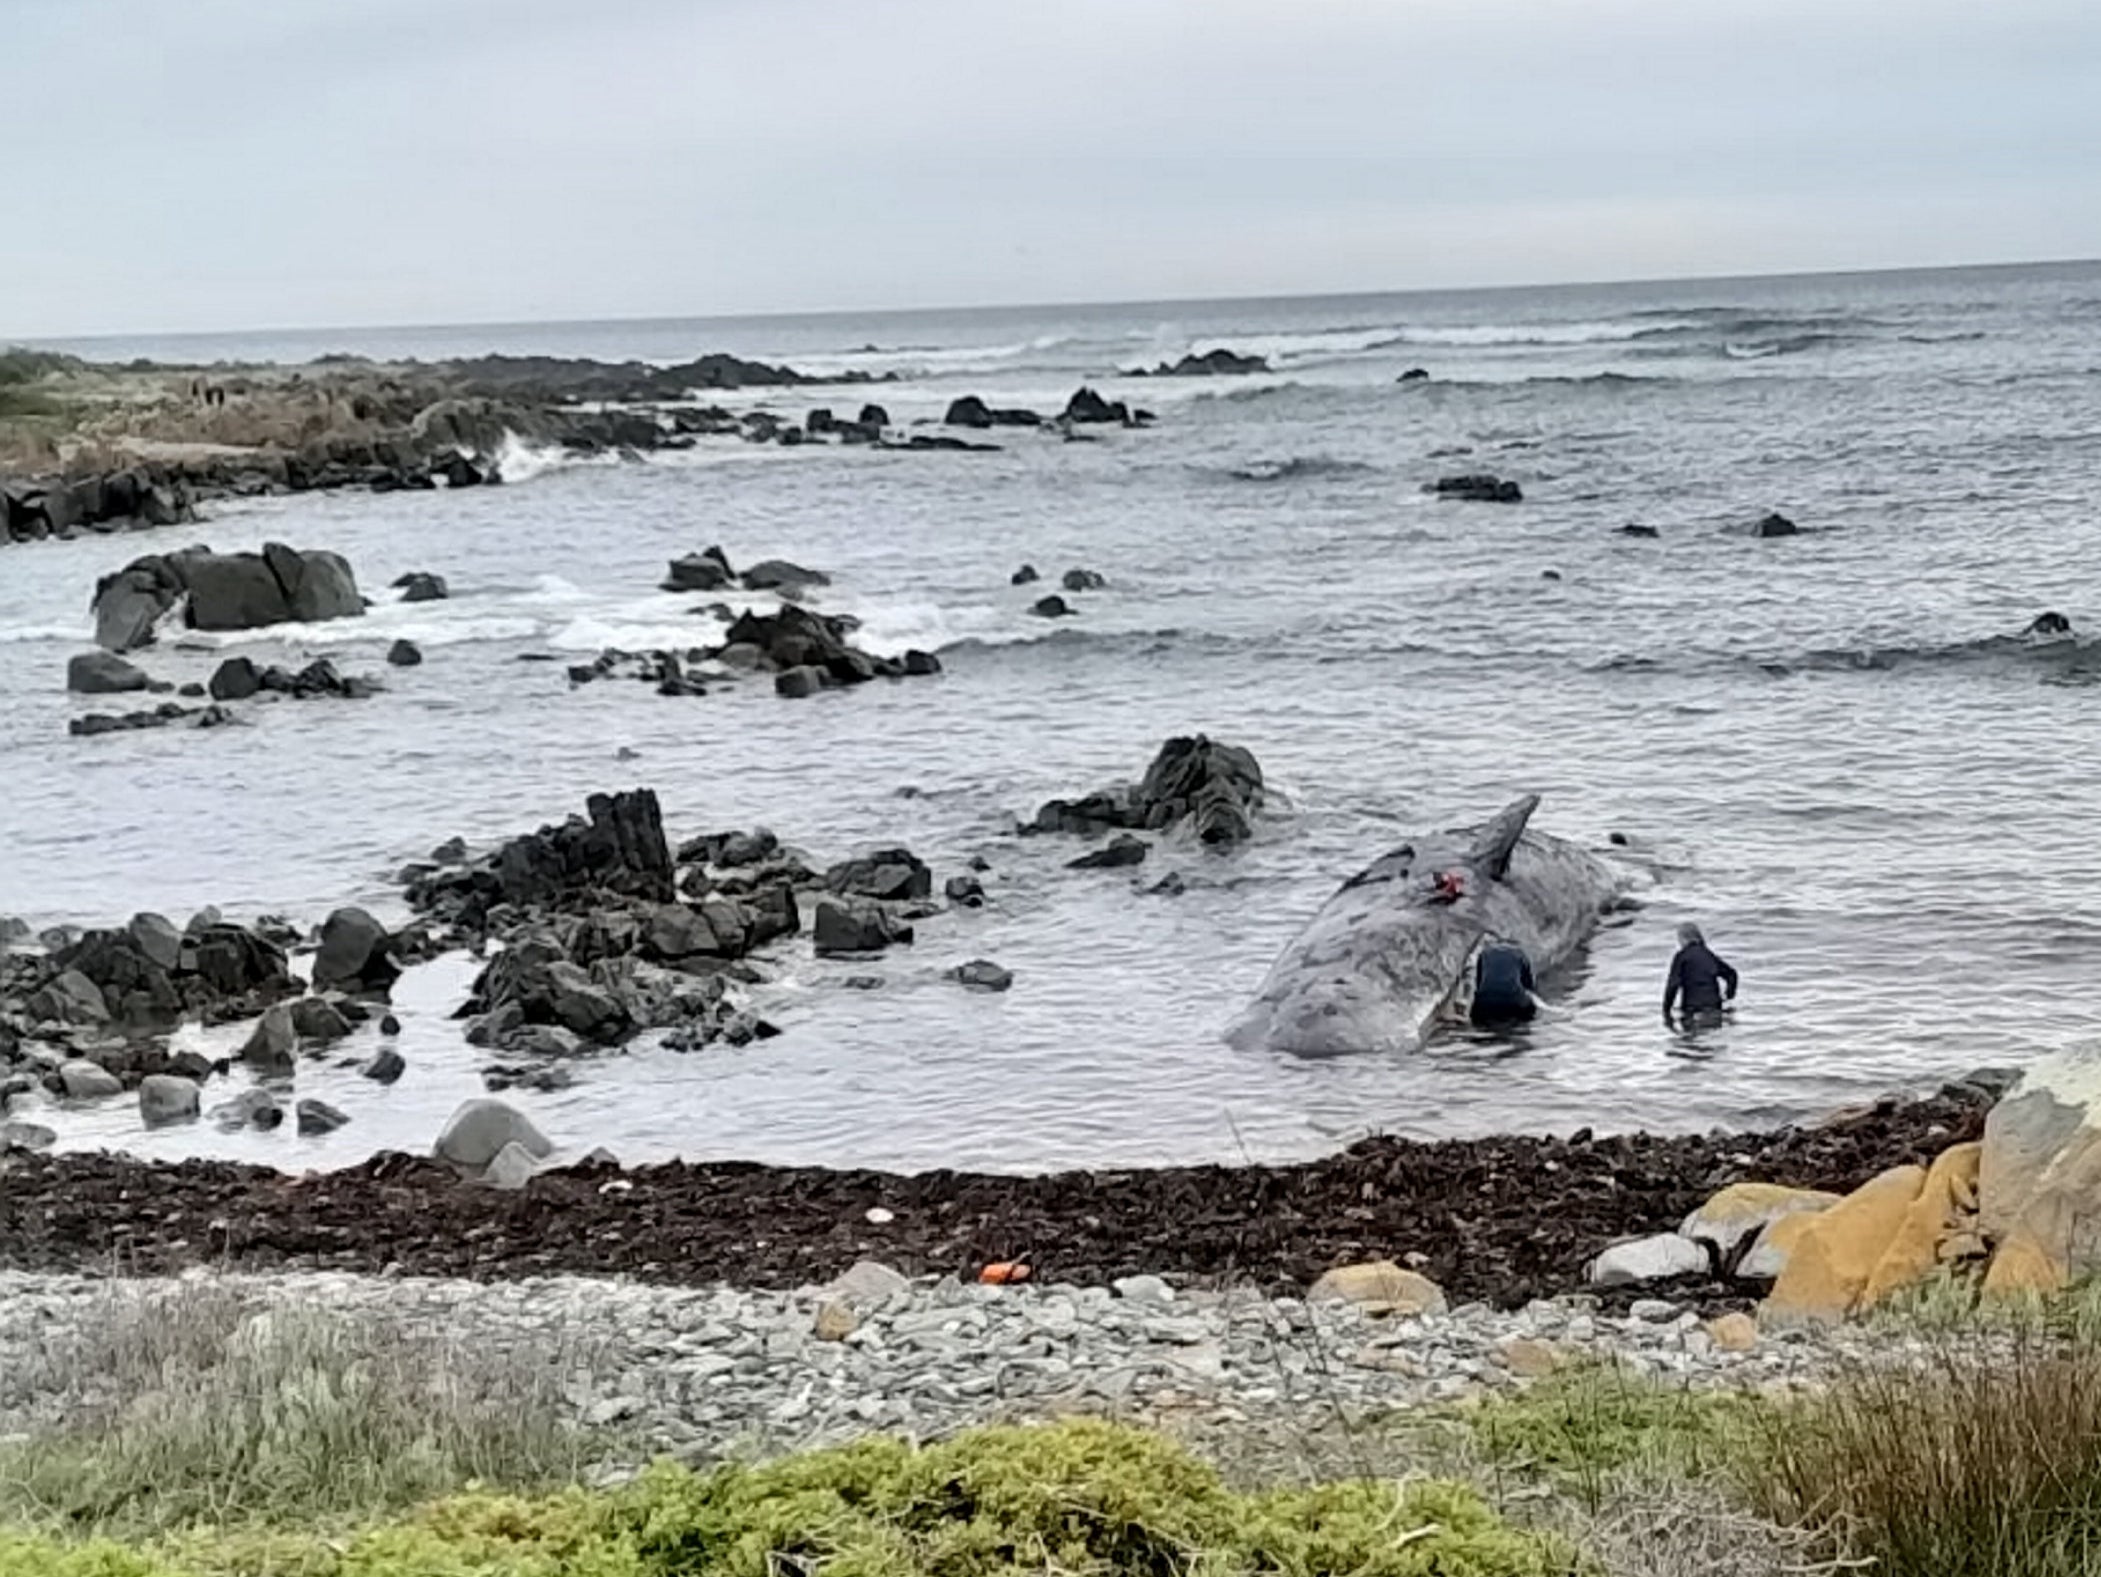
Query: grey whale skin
[(1384, 964)]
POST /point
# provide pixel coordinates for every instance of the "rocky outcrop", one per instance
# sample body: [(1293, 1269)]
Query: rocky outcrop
[(1087, 406), (892, 875), (2039, 1177), (971, 411), (1478, 488), (223, 591), (420, 586), (1084, 580), (131, 499), (103, 673), (615, 851), (1211, 364), (240, 678), (165, 715), (147, 976), (355, 954), (708, 571), (1215, 788), (782, 576), (855, 925), (1775, 525)]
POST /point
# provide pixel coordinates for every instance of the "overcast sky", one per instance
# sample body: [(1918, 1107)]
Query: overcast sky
[(217, 164)]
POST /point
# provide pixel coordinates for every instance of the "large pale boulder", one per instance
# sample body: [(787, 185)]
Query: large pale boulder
[(1946, 1205), (1655, 1258), (1380, 1284), (1769, 1255), (1828, 1274), (1745, 1210), (165, 1098), (2039, 1180), (480, 1130)]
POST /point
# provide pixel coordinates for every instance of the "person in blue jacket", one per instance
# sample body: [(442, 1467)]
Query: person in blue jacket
[(1700, 981)]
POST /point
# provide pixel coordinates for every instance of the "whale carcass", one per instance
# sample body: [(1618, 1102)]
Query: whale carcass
[(1389, 959)]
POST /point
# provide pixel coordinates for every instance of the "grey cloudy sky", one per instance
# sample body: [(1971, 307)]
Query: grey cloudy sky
[(214, 164)]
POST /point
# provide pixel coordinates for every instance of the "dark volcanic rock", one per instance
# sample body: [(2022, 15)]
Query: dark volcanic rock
[(225, 591), (617, 848), (1212, 363), (236, 679), (890, 874), (1122, 850), (982, 974), (1776, 525), (1051, 607), (1632, 529), (1479, 489), (1414, 375), (355, 954), (780, 575), (1501, 1220), (709, 571), (162, 716), (148, 976), (1084, 580), (1025, 576), (422, 587), (404, 654), (855, 925), (970, 411), (1088, 406), (1216, 787), (103, 673)]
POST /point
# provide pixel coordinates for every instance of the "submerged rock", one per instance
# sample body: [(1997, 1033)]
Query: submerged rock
[(1478, 488), (982, 974), (104, 673), (1211, 364), (422, 587), (855, 925), (1216, 788), (224, 591)]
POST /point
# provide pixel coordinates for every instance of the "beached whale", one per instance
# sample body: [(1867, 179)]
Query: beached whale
[(1389, 959)]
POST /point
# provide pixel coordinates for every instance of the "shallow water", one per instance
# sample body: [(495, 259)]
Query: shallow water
[(1883, 820)]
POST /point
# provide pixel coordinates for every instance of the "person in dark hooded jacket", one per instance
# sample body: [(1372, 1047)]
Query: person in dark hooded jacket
[(1700, 980)]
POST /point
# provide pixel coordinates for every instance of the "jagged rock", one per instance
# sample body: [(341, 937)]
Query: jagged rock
[(1212, 363), (1480, 489), (249, 1109), (478, 1132), (855, 925), (354, 954), (315, 1118), (965, 892), (1051, 607), (709, 571), (1084, 580), (275, 1038), (981, 974), (422, 587), (386, 1067), (164, 1099), (889, 874), (1414, 375), (103, 673), (82, 1080), (405, 654), (236, 679), (1025, 576), (780, 575), (971, 411), (1122, 850), (1088, 406), (618, 848), (1775, 525), (1216, 787), (69, 997), (318, 1020)]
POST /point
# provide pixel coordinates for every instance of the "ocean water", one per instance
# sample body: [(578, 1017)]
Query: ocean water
[(1822, 747)]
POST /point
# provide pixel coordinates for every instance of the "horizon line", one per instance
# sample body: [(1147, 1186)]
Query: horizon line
[(38, 340)]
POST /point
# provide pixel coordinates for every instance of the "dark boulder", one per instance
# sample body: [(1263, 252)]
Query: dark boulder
[(1084, 580), (1088, 406), (315, 1117), (1775, 525), (1212, 363), (354, 954), (2048, 626), (780, 575), (971, 411), (800, 682), (1216, 788), (891, 874), (129, 603), (386, 1067), (1414, 375), (965, 892), (1025, 576), (103, 673), (404, 654), (1478, 488), (709, 571), (874, 416), (1051, 607), (982, 974), (1633, 529), (422, 587), (855, 925), (236, 679), (921, 665), (618, 848), (1122, 850)]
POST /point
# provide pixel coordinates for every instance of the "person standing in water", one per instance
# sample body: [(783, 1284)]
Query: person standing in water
[(1700, 980)]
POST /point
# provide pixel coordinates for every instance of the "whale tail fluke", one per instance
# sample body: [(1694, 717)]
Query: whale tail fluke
[(1498, 839)]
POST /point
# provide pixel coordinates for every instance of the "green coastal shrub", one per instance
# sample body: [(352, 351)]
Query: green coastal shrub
[(1078, 1500), (1582, 1429)]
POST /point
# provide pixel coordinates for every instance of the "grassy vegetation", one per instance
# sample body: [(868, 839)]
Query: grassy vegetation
[(197, 1406), (203, 1435)]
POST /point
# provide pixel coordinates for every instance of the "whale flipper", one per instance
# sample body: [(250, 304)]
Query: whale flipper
[(1493, 848)]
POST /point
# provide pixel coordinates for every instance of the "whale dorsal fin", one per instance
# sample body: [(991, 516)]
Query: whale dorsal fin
[(1493, 846)]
